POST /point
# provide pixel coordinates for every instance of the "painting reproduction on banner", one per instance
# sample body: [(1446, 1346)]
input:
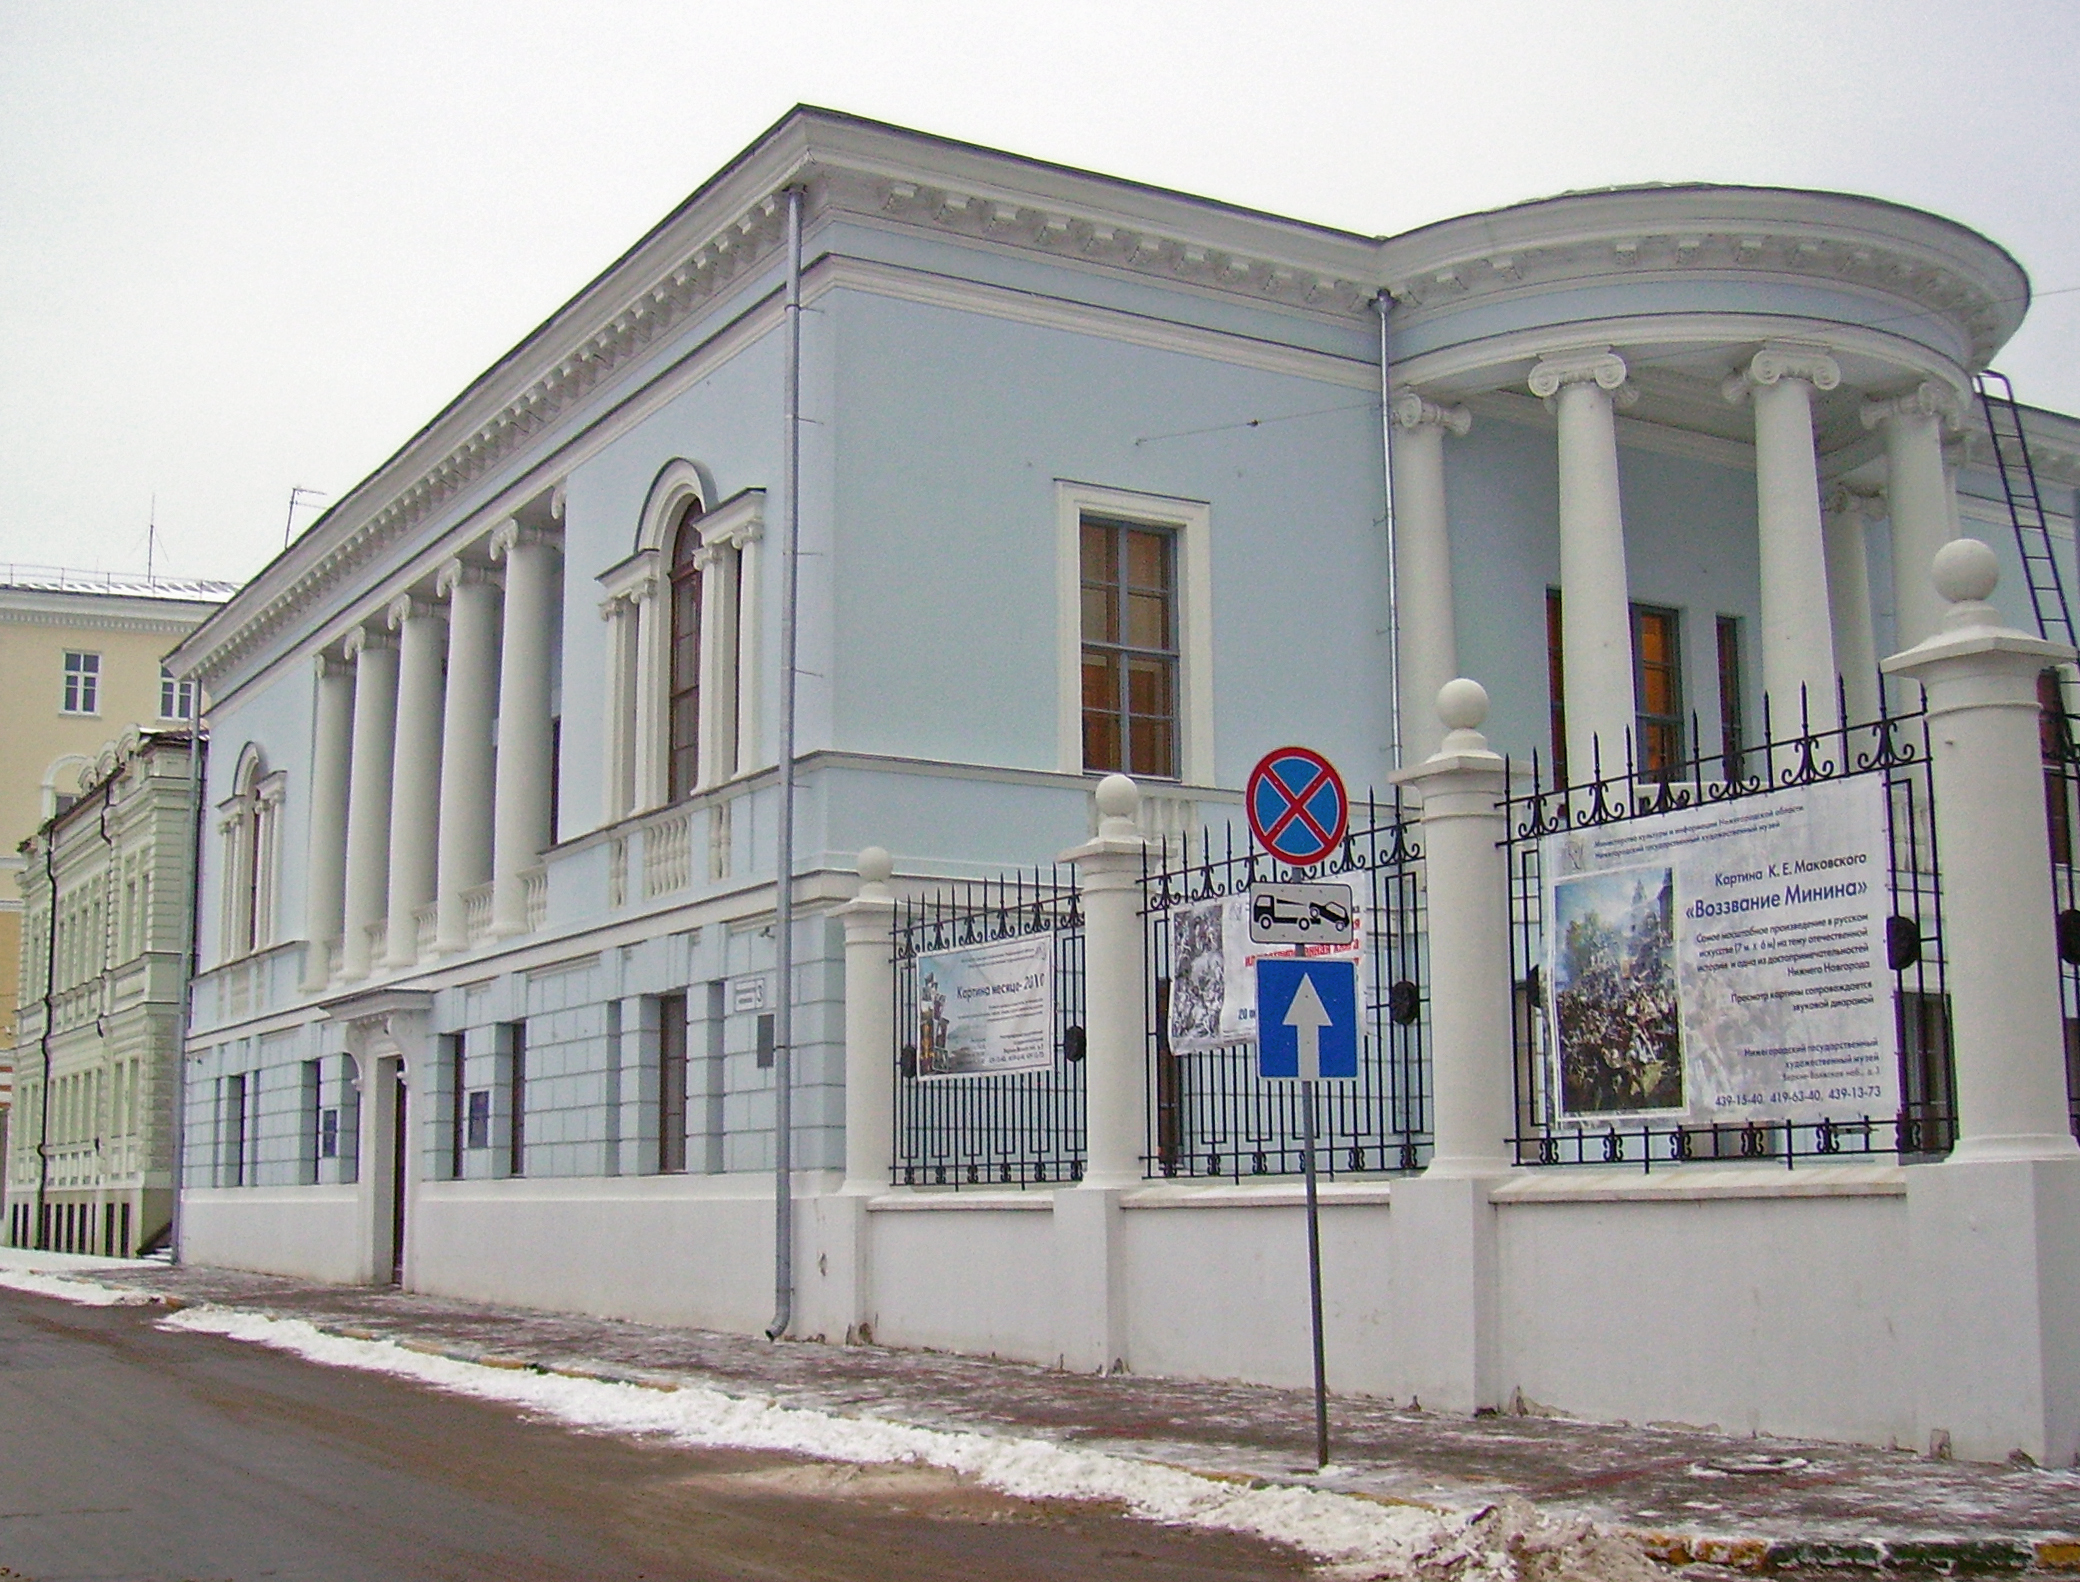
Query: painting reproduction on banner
[(1213, 971), (986, 1009), (1723, 963)]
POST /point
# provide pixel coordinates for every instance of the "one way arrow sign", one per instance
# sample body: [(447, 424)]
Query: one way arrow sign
[(1307, 1020)]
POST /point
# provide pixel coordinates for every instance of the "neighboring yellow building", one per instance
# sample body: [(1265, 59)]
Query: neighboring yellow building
[(79, 666)]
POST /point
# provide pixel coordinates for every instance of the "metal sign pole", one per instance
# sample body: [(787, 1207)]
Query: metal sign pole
[(1314, 1287)]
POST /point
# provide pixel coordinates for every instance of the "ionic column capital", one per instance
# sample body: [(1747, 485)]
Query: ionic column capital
[(459, 572), (405, 607), (361, 638), (510, 534), (1413, 410), (1780, 360), (1597, 365), (1849, 500), (1927, 399), (329, 665)]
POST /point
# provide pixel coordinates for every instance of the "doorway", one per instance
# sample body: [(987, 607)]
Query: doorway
[(400, 1194)]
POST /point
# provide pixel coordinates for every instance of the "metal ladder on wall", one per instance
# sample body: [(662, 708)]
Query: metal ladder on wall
[(2047, 591)]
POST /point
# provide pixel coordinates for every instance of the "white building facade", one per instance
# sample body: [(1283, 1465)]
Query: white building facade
[(1091, 479)]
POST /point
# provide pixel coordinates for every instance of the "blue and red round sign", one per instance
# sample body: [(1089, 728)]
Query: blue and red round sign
[(1297, 806)]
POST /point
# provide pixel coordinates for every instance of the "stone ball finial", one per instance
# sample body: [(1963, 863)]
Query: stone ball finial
[(1462, 704), (1966, 571), (875, 864), (1118, 797)]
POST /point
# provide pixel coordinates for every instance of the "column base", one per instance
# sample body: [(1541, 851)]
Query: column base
[(1093, 1333), (1446, 1293), (1995, 1263)]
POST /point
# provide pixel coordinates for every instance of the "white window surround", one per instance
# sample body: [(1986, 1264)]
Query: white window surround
[(1192, 522), (82, 694), (249, 823), (636, 604)]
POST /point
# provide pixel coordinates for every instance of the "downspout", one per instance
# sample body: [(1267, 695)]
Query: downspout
[(190, 960), (1383, 305), (783, 864)]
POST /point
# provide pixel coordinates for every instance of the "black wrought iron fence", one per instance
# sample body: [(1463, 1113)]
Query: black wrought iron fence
[(1209, 1114), (1642, 1009), (2059, 734), (1004, 1128)]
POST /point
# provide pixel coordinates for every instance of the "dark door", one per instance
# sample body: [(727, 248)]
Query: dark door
[(399, 1131)]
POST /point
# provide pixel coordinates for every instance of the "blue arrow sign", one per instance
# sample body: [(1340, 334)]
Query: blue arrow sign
[(1307, 1020)]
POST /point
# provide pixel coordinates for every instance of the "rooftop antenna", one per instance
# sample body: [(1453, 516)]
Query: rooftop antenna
[(151, 537), (297, 497)]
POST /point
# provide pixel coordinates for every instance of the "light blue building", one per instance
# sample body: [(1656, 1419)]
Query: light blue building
[(1092, 478)]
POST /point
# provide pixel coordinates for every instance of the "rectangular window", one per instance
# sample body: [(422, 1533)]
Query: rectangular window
[(765, 1041), (176, 698), (516, 1100), (234, 1133), (1657, 691), (1556, 688), (1730, 696), (451, 1058), (1130, 651), (312, 1147), (82, 683), (479, 1124), (671, 1084)]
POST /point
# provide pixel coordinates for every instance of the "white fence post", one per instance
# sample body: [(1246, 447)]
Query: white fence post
[(870, 1026), (1447, 1277), (1092, 1334), (1994, 1231)]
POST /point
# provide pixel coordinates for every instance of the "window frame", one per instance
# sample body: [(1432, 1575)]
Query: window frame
[(80, 693), (180, 692), (1190, 523), (1673, 721)]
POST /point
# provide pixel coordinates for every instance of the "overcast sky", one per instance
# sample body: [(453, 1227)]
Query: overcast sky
[(246, 246)]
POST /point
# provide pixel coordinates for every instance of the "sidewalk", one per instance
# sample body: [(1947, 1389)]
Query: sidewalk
[(1692, 1497)]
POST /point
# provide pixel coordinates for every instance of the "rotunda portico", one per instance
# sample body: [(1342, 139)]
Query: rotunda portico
[(1823, 344)]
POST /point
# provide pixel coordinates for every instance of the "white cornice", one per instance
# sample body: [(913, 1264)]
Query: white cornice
[(1931, 264)]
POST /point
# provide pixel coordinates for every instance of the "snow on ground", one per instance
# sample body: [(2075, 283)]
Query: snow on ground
[(1334, 1527), (85, 1292)]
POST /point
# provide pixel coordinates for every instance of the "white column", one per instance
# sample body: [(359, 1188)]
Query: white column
[(1595, 605), (653, 617), (520, 814), (1917, 494), (1798, 662), (325, 860), (368, 793), (415, 782), (2001, 955), (1108, 871), (750, 555), (1426, 653), (617, 791), (870, 1027), (718, 743), (1470, 995), (464, 860), (1849, 602)]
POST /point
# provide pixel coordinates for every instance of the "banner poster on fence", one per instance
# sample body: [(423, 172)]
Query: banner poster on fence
[(1213, 971), (986, 1009), (1724, 963)]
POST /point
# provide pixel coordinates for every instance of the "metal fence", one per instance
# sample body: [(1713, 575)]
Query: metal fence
[(1016, 1128), (1209, 1114), (1895, 747), (2059, 732)]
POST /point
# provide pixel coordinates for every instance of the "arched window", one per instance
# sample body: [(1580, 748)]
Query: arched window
[(248, 821), (683, 765)]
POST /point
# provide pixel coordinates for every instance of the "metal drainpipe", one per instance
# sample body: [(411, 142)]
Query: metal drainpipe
[(1383, 305), (190, 960), (783, 867)]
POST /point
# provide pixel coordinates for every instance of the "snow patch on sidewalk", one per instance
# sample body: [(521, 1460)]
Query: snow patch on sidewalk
[(85, 1293), (1367, 1538)]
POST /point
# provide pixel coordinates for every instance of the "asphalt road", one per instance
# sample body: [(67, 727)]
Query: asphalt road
[(132, 1453)]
